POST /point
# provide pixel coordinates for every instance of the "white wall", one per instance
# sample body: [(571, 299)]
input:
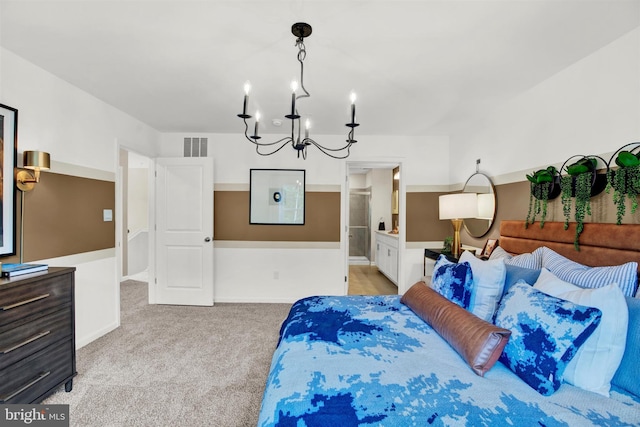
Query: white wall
[(307, 268), (591, 107), (80, 133), (138, 200)]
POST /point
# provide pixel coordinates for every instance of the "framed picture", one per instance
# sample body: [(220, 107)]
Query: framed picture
[(8, 154), (488, 248), (277, 196)]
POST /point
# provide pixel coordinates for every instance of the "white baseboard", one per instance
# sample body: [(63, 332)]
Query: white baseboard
[(82, 341)]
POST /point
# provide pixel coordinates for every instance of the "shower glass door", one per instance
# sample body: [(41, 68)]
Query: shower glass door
[(359, 226)]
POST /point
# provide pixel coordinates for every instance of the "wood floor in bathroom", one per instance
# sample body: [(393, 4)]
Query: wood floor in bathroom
[(367, 280)]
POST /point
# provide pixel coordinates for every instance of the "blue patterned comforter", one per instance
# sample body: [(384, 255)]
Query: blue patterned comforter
[(370, 361)]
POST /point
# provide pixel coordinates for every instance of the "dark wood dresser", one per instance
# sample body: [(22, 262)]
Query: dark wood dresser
[(37, 335)]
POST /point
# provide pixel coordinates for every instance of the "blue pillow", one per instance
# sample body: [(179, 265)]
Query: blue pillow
[(628, 374), (625, 275), (515, 274), (546, 332), (453, 281)]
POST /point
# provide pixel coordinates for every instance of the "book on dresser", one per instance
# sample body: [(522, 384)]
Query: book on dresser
[(12, 270)]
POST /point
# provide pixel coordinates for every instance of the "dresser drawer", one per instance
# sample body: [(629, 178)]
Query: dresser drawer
[(27, 338), (27, 380), (34, 298)]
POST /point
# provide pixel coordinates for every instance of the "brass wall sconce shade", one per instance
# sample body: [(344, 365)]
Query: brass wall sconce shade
[(457, 207), (35, 161)]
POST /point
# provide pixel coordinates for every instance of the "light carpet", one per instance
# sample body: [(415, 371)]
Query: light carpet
[(175, 365)]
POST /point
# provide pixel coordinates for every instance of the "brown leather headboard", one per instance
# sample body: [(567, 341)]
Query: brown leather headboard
[(600, 244)]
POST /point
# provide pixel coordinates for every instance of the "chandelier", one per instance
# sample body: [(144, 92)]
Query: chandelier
[(297, 141)]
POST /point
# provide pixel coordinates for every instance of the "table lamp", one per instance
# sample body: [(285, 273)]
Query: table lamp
[(457, 207)]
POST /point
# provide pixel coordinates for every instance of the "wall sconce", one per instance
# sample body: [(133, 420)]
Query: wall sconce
[(35, 161), (457, 207), (32, 161)]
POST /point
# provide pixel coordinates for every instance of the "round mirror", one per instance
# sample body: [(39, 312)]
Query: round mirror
[(481, 184)]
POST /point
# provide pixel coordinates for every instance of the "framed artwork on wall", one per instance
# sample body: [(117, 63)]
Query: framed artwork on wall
[(489, 246), (277, 196), (8, 155)]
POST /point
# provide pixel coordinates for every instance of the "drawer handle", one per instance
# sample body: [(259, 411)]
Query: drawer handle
[(25, 342), (42, 376), (27, 301)]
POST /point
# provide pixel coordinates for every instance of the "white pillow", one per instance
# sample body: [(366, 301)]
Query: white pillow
[(597, 360), (488, 282)]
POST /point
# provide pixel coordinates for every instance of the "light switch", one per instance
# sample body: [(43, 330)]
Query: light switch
[(107, 215)]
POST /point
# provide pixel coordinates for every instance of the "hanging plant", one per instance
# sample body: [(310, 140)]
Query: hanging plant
[(578, 183), (625, 182), (542, 183)]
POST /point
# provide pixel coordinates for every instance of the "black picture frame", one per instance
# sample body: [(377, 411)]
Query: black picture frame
[(8, 156), (277, 196)]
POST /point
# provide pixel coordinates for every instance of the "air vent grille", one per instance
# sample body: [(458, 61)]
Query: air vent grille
[(195, 147)]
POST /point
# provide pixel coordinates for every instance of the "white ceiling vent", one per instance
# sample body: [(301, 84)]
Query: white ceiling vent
[(195, 147)]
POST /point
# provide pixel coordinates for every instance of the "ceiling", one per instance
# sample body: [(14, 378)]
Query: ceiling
[(418, 67)]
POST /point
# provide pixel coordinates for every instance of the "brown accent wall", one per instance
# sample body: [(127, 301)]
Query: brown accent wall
[(231, 219), (423, 222), (63, 216)]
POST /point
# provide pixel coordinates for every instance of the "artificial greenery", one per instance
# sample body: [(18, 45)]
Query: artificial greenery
[(578, 181), (541, 182), (625, 182), (447, 244)]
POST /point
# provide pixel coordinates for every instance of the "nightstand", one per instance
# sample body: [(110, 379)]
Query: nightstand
[(433, 254)]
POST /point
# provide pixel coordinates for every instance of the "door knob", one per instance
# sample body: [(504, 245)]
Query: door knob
[(207, 239)]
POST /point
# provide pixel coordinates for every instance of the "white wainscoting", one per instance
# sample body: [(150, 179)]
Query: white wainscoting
[(97, 293), (277, 274)]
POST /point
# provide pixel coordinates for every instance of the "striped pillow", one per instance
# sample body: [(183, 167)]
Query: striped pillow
[(531, 260), (624, 275)]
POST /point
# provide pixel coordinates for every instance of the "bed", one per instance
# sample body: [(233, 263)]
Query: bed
[(412, 360)]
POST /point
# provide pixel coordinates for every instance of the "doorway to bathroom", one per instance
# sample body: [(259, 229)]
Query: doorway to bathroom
[(369, 211)]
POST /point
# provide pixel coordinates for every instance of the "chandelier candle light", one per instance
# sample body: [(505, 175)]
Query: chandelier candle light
[(300, 30)]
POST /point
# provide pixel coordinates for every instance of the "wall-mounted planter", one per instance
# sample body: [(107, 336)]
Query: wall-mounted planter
[(547, 190), (545, 186), (598, 183), (625, 180), (581, 182)]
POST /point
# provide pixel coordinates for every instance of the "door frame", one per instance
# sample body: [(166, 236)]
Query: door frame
[(119, 218), (388, 163)]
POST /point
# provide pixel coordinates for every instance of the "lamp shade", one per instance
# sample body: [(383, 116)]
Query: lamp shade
[(458, 206), (486, 206), (36, 160)]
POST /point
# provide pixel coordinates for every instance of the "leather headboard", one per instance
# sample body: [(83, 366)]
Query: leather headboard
[(600, 244)]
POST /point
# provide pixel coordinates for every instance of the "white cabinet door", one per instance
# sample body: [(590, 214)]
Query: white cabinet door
[(393, 265), (387, 256)]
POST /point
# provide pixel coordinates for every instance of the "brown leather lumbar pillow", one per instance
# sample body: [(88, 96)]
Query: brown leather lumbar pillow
[(480, 343)]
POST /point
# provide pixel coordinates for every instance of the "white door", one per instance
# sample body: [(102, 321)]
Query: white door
[(184, 231)]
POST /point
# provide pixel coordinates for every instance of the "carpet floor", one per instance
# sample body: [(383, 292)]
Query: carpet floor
[(175, 365)]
